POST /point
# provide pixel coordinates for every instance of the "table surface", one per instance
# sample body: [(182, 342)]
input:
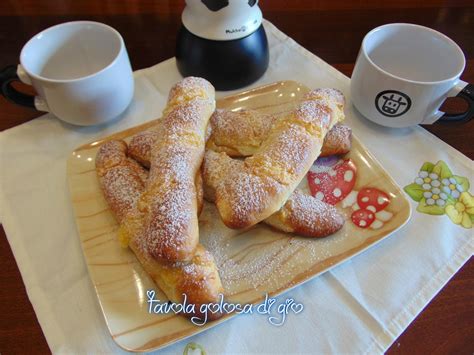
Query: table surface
[(331, 29)]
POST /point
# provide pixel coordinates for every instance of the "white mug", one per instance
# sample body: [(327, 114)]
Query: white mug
[(404, 73), (80, 71)]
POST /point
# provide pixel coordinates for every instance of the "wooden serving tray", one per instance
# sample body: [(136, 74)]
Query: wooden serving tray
[(251, 263)]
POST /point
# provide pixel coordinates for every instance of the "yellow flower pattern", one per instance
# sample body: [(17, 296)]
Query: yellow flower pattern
[(462, 211)]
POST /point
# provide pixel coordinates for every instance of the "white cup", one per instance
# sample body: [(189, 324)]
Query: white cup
[(80, 71), (403, 74)]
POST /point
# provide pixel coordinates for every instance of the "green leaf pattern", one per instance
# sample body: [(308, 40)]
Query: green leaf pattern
[(415, 191), (433, 209), (427, 167)]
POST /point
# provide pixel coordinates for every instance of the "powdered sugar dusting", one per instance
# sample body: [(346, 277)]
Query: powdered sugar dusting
[(110, 154), (169, 223), (246, 264), (332, 98), (244, 196), (170, 229), (288, 156), (276, 168), (234, 133), (215, 169), (188, 116), (121, 189), (187, 89), (327, 93), (314, 112), (337, 141), (140, 146), (120, 179), (310, 216), (173, 163), (239, 132)]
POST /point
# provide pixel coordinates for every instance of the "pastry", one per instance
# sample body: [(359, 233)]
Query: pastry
[(252, 127), (121, 180), (240, 134), (338, 141), (169, 202), (272, 173), (301, 214), (306, 216), (157, 209)]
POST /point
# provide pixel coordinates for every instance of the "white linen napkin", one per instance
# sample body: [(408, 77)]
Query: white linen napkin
[(360, 306)]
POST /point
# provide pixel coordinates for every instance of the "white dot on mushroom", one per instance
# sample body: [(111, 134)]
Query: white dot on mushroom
[(319, 195), (348, 175)]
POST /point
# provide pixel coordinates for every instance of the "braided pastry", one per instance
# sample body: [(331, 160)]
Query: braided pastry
[(123, 181)]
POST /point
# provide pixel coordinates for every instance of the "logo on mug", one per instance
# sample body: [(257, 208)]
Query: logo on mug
[(392, 103)]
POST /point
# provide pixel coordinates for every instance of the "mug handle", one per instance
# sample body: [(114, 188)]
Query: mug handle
[(8, 75), (467, 94)]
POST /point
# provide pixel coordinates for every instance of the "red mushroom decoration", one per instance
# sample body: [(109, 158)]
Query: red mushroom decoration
[(372, 199), (363, 218), (333, 184)]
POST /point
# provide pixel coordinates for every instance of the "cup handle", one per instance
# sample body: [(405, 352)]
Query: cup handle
[(465, 91), (12, 73)]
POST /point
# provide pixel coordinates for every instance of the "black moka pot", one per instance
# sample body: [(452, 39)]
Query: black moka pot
[(222, 41)]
